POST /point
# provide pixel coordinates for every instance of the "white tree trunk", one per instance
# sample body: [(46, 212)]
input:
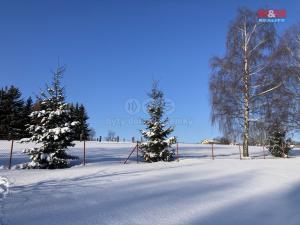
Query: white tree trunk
[(246, 125), (246, 82)]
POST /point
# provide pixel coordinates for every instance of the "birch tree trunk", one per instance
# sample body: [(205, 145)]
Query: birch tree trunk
[(246, 83), (246, 107)]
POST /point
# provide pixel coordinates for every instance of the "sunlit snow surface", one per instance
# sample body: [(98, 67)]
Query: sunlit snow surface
[(196, 190)]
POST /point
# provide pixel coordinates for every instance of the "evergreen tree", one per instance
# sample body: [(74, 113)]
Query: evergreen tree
[(27, 110), (2, 115), (11, 113), (157, 146), (52, 127), (277, 144), (82, 128)]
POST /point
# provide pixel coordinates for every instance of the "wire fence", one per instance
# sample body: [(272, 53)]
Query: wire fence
[(9, 156), (11, 152), (216, 151), (5, 154)]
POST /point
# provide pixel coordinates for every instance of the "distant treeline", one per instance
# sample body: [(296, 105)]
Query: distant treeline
[(15, 111)]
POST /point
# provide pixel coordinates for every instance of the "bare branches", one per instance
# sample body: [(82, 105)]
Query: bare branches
[(250, 78), (258, 70), (257, 46), (269, 90)]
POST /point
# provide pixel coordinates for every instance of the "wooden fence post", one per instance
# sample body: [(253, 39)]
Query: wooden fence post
[(264, 151), (177, 155), (240, 151), (212, 151), (84, 152), (130, 154), (137, 152), (10, 155)]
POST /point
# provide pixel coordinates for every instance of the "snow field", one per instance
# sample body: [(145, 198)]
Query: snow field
[(196, 190)]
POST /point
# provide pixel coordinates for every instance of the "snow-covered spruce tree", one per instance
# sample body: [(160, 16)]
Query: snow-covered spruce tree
[(82, 129), (157, 146), (278, 146), (11, 114), (51, 127)]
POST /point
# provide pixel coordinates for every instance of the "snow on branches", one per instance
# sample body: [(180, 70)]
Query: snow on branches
[(157, 146), (52, 127)]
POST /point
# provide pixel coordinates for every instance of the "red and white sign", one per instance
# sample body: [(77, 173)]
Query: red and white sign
[(271, 13)]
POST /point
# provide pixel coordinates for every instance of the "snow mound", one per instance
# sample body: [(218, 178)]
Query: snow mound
[(4, 185)]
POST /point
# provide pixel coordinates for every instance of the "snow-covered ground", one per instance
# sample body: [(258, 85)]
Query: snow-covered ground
[(195, 190)]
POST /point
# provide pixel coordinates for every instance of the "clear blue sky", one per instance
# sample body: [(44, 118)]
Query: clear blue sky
[(113, 50)]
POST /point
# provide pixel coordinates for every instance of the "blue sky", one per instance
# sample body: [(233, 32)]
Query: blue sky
[(114, 49)]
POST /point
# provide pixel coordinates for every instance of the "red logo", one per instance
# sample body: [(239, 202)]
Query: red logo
[(271, 13)]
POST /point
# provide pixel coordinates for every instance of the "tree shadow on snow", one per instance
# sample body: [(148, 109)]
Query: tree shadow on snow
[(270, 208)]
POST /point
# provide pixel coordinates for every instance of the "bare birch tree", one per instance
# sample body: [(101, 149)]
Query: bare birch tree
[(240, 80), (290, 46)]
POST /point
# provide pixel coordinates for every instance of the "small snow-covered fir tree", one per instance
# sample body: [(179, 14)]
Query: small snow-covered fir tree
[(277, 143), (157, 146), (51, 127)]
